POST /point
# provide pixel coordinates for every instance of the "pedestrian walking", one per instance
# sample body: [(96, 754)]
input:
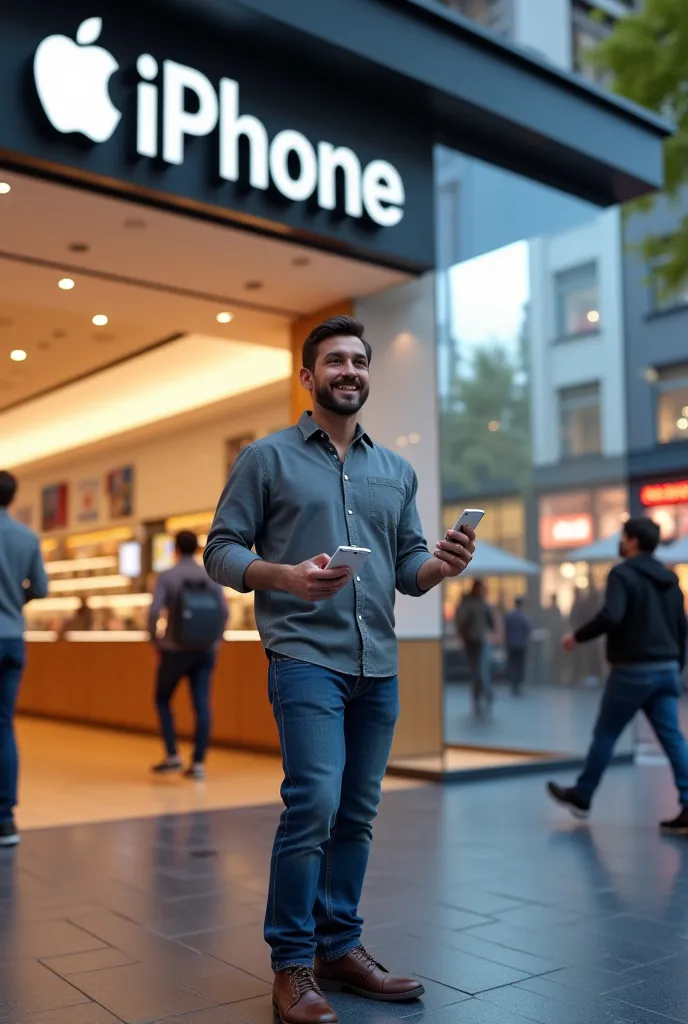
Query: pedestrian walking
[(196, 617), (644, 620), (517, 630), (474, 622), (22, 579)]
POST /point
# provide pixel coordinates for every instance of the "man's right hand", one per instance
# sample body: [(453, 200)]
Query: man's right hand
[(311, 581)]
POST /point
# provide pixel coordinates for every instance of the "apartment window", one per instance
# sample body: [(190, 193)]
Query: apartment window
[(577, 301), (664, 298), (579, 421), (672, 404), (587, 33), (490, 13)]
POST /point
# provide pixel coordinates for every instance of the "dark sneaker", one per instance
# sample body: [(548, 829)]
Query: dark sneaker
[(677, 827), (8, 833), (169, 765), (570, 799), (196, 771)]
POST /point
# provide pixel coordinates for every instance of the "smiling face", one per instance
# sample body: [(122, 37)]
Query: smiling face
[(340, 379)]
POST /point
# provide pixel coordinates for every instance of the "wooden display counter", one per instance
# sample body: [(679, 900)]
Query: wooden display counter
[(112, 683)]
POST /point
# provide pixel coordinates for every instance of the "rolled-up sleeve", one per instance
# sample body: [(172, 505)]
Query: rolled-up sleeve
[(412, 548), (238, 523)]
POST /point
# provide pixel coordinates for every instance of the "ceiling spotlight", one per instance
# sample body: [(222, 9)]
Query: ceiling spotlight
[(493, 425), (4, 188), (18, 355), (682, 423), (414, 438), (593, 316), (224, 318), (66, 284), (100, 320)]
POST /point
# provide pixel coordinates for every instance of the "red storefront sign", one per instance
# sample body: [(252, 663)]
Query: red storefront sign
[(570, 531), (670, 493)]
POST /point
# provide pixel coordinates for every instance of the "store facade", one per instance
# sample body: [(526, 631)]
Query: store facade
[(210, 111)]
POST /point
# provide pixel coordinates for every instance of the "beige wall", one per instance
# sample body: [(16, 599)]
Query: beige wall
[(181, 469)]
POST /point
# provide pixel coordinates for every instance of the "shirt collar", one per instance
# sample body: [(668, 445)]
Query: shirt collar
[(4, 512), (310, 429)]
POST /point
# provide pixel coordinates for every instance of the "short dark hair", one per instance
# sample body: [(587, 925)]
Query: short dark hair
[(519, 602), (645, 531), (8, 488), (335, 326), (186, 542)]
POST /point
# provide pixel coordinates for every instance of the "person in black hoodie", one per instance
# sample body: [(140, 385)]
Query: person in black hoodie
[(644, 620)]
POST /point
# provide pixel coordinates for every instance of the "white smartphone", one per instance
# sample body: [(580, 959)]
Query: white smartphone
[(469, 517), (350, 558)]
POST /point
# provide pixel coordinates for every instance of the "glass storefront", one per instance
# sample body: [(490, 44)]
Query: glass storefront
[(513, 309)]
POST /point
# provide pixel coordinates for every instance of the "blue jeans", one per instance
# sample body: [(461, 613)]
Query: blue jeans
[(198, 667), (335, 735), (656, 693), (12, 657)]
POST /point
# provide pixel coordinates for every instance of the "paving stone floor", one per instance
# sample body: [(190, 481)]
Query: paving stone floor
[(508, 909)]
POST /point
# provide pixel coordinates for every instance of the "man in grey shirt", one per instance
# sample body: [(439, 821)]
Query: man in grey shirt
[(177, 661), (295, 497), (22, 578)]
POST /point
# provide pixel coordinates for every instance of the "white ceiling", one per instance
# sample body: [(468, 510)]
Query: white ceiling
[(153, 273)]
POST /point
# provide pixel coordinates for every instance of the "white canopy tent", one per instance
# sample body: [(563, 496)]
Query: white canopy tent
[(605, 550), (493, 561), (676, 553)]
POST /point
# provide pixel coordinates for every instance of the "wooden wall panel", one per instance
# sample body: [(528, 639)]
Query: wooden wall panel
[(421, 690)]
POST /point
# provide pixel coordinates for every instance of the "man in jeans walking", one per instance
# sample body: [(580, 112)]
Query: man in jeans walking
[(22, 578), (295, 497), (645, 623), (178, 660)]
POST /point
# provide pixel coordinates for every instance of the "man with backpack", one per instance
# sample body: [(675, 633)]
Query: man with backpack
[(196, 618), (644, 620)]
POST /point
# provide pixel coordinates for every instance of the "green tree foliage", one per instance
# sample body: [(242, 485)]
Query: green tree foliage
[(647, 59), (492, 390)]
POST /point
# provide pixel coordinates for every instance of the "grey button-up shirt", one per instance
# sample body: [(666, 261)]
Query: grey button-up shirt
[(22, 575), (167, 592), (291, 498)]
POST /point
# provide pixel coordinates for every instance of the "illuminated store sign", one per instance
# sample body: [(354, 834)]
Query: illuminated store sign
[(565, 531), (176, 103), (670, 493)]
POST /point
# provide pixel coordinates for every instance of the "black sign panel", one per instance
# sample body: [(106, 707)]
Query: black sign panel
[(101, 92)]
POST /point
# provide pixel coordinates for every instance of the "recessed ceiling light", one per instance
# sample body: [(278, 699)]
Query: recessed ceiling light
[(66, 284), (78, 247), (224, 318), (493, 425), (18, 355), (99, 320), (4, 188), (59, 333), (593, 316), (414, 438)]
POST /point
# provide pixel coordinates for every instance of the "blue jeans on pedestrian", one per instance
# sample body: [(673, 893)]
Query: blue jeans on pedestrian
[(656, 692), (12, 657), (335, 735), (197, 667)]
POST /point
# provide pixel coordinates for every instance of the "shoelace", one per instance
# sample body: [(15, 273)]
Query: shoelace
[(366, 959), (303, 980)]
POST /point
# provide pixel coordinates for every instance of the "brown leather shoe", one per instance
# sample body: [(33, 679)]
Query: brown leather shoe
[(297, 998), (359, 973)]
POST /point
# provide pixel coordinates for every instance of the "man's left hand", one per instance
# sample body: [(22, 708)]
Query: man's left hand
[(568, 642), (456, 551)]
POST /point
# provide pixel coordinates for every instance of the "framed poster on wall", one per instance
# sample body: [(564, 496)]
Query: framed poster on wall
[(87, 500), (120, 489), (232, 448), (54, 507)]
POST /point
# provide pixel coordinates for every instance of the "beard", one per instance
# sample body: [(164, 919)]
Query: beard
[(343, 403)]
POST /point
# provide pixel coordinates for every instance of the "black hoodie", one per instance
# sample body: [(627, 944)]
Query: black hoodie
[(643, 614)]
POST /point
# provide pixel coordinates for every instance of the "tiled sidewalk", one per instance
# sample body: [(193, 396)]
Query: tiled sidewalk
[(511, 912)]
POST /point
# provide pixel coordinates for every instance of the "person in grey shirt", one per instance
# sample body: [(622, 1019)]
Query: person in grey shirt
[(22, 578), (290, 501), (177, 661)]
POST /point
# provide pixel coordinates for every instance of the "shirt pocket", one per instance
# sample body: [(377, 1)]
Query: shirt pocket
[(385, 501)]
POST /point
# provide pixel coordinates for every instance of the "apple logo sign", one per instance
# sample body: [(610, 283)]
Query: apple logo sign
[(72, 81)]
